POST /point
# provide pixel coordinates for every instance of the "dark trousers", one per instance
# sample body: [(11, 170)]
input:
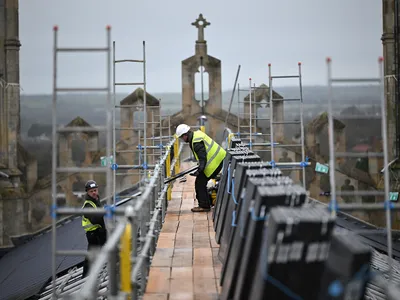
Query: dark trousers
[(95, 238), (201, 187)]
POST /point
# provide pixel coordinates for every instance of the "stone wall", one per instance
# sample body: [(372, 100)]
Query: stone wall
[(389, 72), (14, 215), (65, 148), (31, 171), (190, 67), (132, 135), (10, 90)]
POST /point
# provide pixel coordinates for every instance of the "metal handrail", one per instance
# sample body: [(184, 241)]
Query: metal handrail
[(154, 194), (225, 137)]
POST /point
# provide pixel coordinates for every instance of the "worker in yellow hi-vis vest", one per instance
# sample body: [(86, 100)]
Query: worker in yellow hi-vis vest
[(94, 226), (210, 156)]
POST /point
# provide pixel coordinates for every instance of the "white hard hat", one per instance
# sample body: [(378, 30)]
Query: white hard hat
[(182, 129)]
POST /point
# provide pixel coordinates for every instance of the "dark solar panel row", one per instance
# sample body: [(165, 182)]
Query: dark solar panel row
[(271, 245)]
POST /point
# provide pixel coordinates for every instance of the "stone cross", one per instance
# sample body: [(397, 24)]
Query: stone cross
[(201, 23)]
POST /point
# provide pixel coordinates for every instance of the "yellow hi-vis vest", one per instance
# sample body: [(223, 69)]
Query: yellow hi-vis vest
[(86, 224), (215, 153)]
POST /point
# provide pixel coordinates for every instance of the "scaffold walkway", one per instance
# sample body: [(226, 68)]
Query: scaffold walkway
[(185, 264)]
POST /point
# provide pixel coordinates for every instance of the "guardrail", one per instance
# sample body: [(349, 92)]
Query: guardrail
[(227, 137), (145, 216)]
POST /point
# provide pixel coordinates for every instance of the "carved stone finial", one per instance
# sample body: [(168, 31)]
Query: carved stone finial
[(200, 24)]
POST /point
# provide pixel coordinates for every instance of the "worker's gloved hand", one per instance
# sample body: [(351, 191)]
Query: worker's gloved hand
[(195, 173)]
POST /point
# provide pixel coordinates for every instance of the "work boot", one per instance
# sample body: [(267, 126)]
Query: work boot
[(200, 209)]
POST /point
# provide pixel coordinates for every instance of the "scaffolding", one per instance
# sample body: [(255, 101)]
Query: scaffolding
[(251, 118), (245, 128), (107, 128), (387, 205), (283, 122), (143, 165), (145, 215), (138, 223)]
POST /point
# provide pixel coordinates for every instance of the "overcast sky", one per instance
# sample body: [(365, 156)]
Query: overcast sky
[(251, 33)]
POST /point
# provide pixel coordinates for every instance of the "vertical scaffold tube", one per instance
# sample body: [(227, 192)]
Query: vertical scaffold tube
[(303, 153), (54, 165), (250, 121), (271, 112), (168, 171), (145, 112), (332, 160), (386, 169), (113, 130)]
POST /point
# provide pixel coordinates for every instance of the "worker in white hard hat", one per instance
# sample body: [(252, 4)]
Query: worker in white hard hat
[(210, 156)]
